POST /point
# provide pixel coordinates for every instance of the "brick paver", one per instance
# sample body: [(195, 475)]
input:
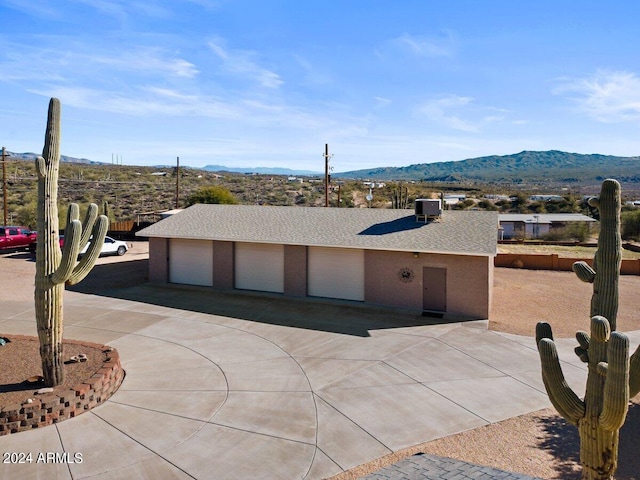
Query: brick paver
[(431, 467)]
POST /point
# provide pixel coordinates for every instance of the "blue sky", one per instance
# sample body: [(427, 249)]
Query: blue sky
[(268, 83)]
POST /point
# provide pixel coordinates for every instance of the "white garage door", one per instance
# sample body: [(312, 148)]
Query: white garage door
[(336, 273), (259, 266), (191, 262)]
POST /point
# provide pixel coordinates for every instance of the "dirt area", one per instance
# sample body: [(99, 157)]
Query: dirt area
[(562, 251), (522, 298), (20, 360)]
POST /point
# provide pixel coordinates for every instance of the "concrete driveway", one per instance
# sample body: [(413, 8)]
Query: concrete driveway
[(236, 385)]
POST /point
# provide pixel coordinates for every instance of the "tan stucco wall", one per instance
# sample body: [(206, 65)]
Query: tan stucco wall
[(158, 260), (469, 281), (469, 278), (295, 270)]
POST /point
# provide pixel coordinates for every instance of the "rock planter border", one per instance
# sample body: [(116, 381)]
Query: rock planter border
[(55, 407)]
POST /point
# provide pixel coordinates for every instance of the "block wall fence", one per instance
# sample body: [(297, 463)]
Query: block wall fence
[(554, 262)]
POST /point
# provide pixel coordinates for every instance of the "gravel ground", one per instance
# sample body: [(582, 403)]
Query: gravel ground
[(539, 444)]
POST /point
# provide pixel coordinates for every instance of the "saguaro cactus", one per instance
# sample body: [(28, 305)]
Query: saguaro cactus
[(606, 262), (56, 267), (400, 197), (604, 408), (612, 377)]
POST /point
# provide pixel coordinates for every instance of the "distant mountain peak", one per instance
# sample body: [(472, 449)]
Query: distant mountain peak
[(261, 170), (527, 166)]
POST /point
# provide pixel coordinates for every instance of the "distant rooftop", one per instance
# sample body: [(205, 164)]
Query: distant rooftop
[(544, 217), (458, 232)]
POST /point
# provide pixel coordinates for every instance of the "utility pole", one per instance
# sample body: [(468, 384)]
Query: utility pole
[(177, 181), (4, 184), (326, 174)]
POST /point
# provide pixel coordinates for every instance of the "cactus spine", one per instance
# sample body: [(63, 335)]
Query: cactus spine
[(612, 377), (56, 267)]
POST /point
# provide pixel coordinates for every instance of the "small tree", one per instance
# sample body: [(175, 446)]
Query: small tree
[(212, 194), (56, 267)]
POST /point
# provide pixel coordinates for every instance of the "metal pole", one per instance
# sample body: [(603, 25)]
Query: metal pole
[(177, 181), (4, 184), (326, 174)]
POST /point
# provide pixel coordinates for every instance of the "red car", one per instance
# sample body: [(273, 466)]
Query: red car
[(14, 238)]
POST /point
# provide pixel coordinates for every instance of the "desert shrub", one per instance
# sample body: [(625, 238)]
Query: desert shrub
[(536, 207), (631, 225), (26, 214), (573, 231), (519, 203), (212, 194), (485, 204)]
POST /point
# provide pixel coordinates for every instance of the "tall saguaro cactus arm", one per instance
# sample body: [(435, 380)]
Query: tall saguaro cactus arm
[(54, 267), (89, 259), (616, 385), (606, 263), (76, 235), (562, 397)]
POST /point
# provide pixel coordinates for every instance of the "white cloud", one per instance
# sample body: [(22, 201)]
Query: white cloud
[(242, 63), (420, 46), (143, 101), (145, 60), (107, 7), (441, 110), (74, 61), (607, 96), (461, 113), (313, 74), (37, 8), (382, 101), (423, 47)]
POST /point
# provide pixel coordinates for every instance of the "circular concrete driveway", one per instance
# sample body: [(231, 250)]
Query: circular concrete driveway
[(256, 386), (243, 386)]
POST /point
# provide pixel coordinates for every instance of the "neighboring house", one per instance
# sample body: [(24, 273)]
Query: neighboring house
[(376, 256), (546, 198), (454, 198), (536, 225)]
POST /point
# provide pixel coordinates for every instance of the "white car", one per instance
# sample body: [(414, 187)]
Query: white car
[(110, 246)]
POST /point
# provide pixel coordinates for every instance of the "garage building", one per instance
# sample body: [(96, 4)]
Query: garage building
[(375, 256)]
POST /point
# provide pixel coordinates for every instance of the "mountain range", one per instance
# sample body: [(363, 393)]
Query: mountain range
[(260, 170), (524, 167), (551, 166), (63, 158)]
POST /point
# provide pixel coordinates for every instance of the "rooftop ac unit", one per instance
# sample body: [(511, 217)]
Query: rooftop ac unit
[(428, 209)]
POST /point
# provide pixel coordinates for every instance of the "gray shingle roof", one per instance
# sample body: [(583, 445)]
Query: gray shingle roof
[(458, 232)]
